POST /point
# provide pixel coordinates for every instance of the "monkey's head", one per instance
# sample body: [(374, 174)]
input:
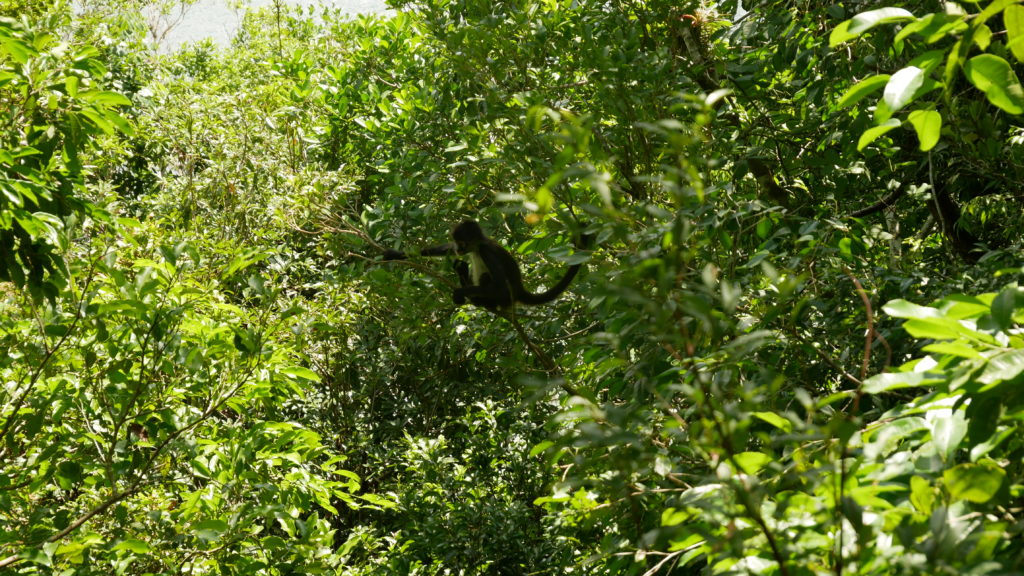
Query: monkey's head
[(468, 235)]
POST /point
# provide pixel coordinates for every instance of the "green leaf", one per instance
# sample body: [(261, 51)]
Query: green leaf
[(846, 248), (301, 373), (1003, 367), (958, 349), (541, 448), (752, 462), (775, 420), (99, 120), (907, 309), (932, 27), (1013, 18), (895, 380), (862, 89), (865, 21), (938, 328), (1004, 305), (902, 86), (974, 482), (881, 442), (929, 61), (922, 495), (674, 516), (243, 261), (19, 51), (872, 134), (948, 430), (928, 125), (105, 98), (991, 10), (993, 76), (210, 530), (136, 546)]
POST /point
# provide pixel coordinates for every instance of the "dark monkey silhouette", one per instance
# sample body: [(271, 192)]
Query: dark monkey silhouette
[(492, 278)]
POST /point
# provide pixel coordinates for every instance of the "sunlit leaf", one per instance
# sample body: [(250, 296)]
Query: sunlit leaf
[(958, 349), (673, 516), (775, 420), (872, 134), (895, 380), (901, 87), (1003, 367), (862, 89), (948, 430), (752, 462), (1005, 304), (974, 482), (1013, 18), (922, 494), (865, 21), (928, 125), (937, 328), (105, 98), (994, 76), (210, 530), (882, 439), (136, 546)]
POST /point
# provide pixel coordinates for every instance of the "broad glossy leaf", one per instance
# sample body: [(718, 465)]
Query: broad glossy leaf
[(881, 441), (106, 98), (136, 546), (1013, 17), (674, 516), (958, 349), (1005, 304), (301, 373), (995, 7), (929, 61), (895, 380), (752, 462), (974, 482), (902, 86), (928, 125), (862, 89), (907, 309), (1002, 367), (994, 76), (775, 420), (872, 134), (948, 430), (922, 494), (210, 530), (865, 21), (933, 27), (941, 329)]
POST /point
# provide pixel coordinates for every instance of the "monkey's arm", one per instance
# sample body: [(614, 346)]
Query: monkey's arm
[(440, 250)]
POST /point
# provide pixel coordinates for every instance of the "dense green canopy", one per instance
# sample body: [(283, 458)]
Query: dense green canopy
[(796, 346)]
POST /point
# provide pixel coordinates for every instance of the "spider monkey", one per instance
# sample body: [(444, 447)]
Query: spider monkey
[(491, 279)]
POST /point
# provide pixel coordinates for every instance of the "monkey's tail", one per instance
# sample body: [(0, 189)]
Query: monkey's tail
[(585, 241), (553, 292)]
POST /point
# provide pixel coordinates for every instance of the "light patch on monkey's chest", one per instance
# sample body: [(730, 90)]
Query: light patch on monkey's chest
[(477, 268)]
